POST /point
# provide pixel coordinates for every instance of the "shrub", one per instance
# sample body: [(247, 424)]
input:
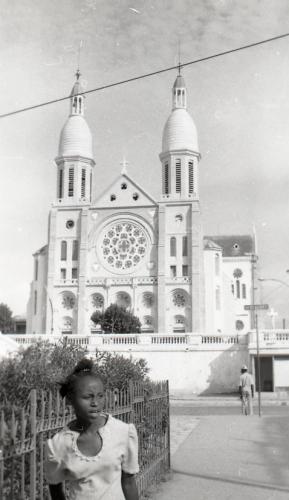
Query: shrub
[(41, 365)]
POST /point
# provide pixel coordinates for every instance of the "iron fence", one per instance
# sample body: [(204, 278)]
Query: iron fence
[(24, 431)]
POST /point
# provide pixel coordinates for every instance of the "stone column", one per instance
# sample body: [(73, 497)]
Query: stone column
[(197, 266), (82, 263), (50, 326), (161, 298)]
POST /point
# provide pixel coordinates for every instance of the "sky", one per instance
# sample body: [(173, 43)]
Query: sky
[(239, 103)]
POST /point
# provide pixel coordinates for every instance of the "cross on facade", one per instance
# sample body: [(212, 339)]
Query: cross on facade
[(124, 164), (272, 315)]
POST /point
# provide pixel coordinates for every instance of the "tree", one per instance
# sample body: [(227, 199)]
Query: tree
[(116, 319), (6, 321), (43, 365)]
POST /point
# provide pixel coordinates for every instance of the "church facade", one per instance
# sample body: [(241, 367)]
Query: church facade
[(126, 247)]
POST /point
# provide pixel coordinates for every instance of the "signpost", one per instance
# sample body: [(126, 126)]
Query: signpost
[(256, 308)]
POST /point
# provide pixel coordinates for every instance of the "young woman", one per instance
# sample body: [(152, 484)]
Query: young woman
[(96, 455)]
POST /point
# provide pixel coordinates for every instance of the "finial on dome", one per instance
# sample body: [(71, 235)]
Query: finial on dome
[(179, 64), (77, 74)]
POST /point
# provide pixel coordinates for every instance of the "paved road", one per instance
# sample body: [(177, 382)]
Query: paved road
[(221, 455), (197, 411)]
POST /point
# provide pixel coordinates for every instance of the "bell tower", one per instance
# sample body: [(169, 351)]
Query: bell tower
[(180, 153), (75, 159)]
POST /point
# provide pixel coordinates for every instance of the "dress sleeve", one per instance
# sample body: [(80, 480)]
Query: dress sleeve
[(54, 470), (130, 460)]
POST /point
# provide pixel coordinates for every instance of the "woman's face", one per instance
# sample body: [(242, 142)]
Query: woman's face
[(88, 398)]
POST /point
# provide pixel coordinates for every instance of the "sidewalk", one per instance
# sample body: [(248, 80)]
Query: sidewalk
[(231, 458)]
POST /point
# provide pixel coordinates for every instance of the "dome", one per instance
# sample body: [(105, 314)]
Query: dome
[(180, 132), (75, 138)]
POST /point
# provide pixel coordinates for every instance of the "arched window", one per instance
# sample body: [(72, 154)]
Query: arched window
[(244, 291), (238, 289), (185, 246), (178, 176), (70, 182), (191, 177), (173, 247), (166, 179), (63, 250), (60, 184), (75, 250), (217, 264), (35, 302), (83, 179)]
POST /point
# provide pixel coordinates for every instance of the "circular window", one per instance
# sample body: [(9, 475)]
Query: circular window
[(237, 273), (123, 245), (70, 224), (179, 299), (239, 324)]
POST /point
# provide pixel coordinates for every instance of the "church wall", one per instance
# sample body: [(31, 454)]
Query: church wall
[(240, 270), (214, 291), (196, 372)]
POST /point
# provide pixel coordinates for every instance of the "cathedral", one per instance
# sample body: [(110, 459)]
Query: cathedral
[(125, 247)]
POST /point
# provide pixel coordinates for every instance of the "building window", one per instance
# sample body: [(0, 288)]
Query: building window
[(75, 250), (70, 182), (238, 289), (239, 324), (173, 271), (218, 299), (173, 247), (83, 179), (35, 302), (74, 273), (191, 177), (185, 270), (232, 288), (244, 292), (90, 186), (63, 273), (185, 246), (60, 184), (63, 250), (36, 270), (166, 179), (178, 176), (217, 264)]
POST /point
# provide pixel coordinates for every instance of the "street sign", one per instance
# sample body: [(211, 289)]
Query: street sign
[(254, 307)]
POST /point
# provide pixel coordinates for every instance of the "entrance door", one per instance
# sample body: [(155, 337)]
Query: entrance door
[(266, 369)]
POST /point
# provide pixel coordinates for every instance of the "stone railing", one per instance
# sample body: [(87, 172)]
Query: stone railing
[(142, 342), (269, 338)]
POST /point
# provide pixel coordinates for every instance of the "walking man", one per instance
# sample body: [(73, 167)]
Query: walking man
[(246, 390)]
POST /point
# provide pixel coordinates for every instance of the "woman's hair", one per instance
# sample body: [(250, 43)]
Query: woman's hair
[(85, 367)]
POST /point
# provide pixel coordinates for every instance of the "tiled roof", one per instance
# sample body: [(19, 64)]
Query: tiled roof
[(234, 245)]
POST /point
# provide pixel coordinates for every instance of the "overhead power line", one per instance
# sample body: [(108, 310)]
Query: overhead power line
[(147, 75)]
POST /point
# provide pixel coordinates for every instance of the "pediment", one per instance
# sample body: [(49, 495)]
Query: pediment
[(124, 192)]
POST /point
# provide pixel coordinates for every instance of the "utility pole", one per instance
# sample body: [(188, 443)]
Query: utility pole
[(255, 308)]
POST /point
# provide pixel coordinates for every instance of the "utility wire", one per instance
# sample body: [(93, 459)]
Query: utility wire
[(147, 75)]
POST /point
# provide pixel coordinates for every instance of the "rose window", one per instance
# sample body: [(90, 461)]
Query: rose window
[(68, 301), (124, 245), (179, 299), (97, 301)]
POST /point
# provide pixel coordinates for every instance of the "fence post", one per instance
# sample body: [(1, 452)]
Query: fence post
[(33, 416), (131, 396), (169, 424)]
